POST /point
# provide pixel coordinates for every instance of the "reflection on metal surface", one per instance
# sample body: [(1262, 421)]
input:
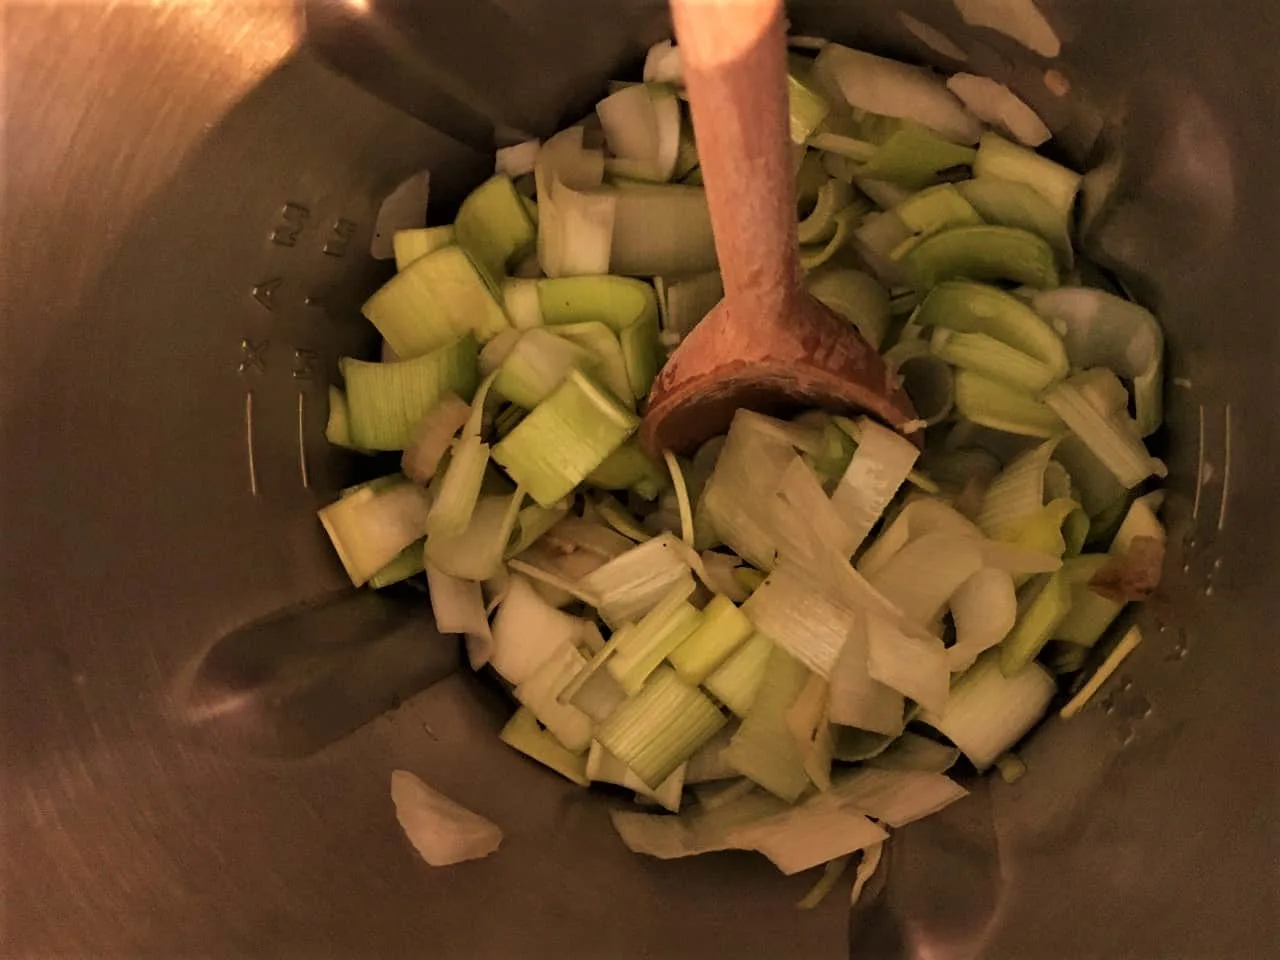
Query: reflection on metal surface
[(1226, 470)]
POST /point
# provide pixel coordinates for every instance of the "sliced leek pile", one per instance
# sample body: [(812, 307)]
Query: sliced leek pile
[(784, 640)]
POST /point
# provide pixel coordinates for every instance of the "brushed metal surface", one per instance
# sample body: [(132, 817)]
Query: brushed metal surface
[(189, 190)]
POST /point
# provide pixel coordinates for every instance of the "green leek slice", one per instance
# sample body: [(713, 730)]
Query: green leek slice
[(981, 253), (567, 436), (409, 245), (494, 229), (387, 401)]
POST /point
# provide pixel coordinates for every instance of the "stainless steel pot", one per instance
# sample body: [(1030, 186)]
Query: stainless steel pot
[(190, 193)]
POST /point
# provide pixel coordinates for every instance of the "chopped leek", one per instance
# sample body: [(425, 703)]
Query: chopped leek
[(632, 584), (764, 748), (608, 360), (442, 831), (1040, 609), (1081, 697), (800, 619), (810, 834), (628, 468), (520, 299), (641, 646), (815, 255), (991, 403), (857, 297), (1113, 439), (999, 158), (407, 563), (984, 609), (433, 436), (523, 733), (687, 300), (914, 752), (642, 129), (539, 694), (661, 727), (981, 253), (476, 552), (661, 230), (820, 225), (896, 797), (807, 107), (457, 606), (858, 700), (1102, 330), (527, 631), (567, 436), (988, 712), (722, 630), (575, 219), (494, 228), (736, 682), (409, 245), (434, 300), (517, 160), (537, 364), (880, 464), (916, 668), (974, 308), (935, 209), (337, 428), (387, 401), (370, 527), (604, 767), (1008, 203)]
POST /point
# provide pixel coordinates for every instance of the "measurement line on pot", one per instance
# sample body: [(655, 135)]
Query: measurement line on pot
[(1200, 479), (302, 441), (1226, 467), (248, 431)]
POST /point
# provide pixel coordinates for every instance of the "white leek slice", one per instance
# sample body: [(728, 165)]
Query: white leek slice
[(633, 583), (476, 552), (442, 831), (896, 797), (896, 89), (857, 297), (661, 230), (642, 130), (800, 619), (527, 631), (706, 831), (808, 529), (883, 193), (409, 245), (1042, 605), (1019, 19), (532, 523), (746, 474), (984, 609), (1102, 330), (811, 834), (370, 527), (540, 692), (914, 752), (457, 606), (518, 159), (878, 468), (1114, 439), (846, 220), (523, 733), (764, 749), (987, 712), (687, 300), (996, 104), (855, 698), (707, 766), (915, 667), (433, 437), (575, 221), (919, 578), (806, 718)]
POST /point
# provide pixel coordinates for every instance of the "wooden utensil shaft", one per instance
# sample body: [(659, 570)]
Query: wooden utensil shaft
[(735, 68)]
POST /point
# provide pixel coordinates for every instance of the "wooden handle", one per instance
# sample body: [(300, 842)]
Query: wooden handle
[(735, 68)]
